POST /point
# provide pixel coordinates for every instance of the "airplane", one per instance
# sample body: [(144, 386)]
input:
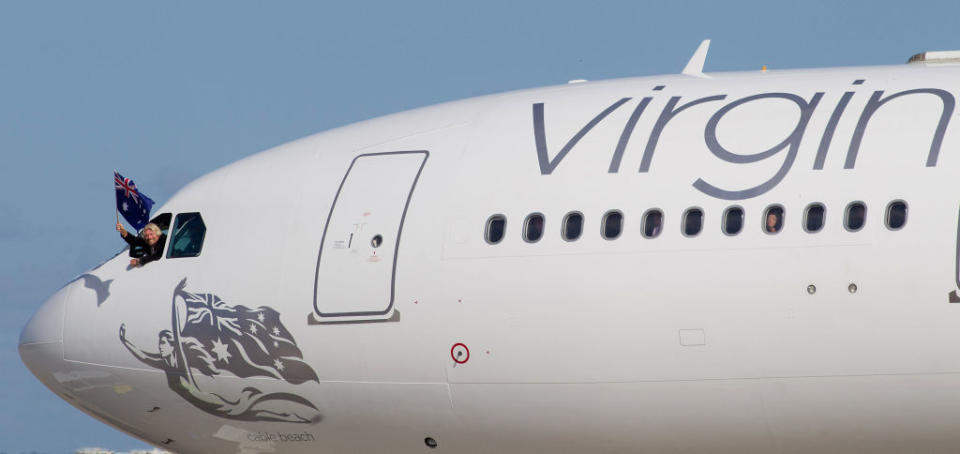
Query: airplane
[(757, 261)]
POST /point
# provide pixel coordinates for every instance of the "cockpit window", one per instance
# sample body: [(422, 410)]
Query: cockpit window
[(162, 221), (188, 233)]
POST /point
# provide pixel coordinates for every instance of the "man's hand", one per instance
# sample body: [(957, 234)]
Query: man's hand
[(123, 231), (134, 262)]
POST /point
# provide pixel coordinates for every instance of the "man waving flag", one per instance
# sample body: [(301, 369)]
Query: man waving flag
[(131, 203)]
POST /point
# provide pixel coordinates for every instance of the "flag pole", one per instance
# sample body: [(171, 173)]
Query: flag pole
[(115, 209)]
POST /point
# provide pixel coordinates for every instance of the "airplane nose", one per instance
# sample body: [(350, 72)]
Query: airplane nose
[(46, 325), (43, 330)]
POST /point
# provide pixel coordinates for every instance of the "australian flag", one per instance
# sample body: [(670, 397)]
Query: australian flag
[(131, 203), (246, 342)]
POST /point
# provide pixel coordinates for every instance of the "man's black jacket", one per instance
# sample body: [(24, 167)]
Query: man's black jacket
[(140, 249)]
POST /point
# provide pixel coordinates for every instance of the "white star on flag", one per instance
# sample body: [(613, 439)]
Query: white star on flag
[(253, 328), (276, 331), (124, 206), (278, 364), (260, 317), (220, 349)]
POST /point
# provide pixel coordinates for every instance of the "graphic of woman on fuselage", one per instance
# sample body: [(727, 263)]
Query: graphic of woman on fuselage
[(182, 357)]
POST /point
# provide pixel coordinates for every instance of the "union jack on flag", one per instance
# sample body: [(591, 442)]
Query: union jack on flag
[(134, 205), (126, 184)]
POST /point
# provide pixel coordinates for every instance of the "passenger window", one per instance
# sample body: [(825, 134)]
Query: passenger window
[(692, 222), (612, 224), (856, 216), (533, 228), (572, 226), (733, 220), (652, 223), (773, 219), (814, 217), (896, 215), (188, 233), (496, 227)]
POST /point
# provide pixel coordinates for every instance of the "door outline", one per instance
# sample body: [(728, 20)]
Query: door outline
[(954, 295), (396, 250), (956, 246)]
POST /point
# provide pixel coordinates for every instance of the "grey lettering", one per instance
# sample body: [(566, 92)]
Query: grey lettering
[(831, 127), (877, 100), (625, 135), (791, 143), (546, 164), (665, 116)]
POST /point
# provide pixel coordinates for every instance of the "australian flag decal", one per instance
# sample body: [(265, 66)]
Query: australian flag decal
[(245, 342), (210, 339)]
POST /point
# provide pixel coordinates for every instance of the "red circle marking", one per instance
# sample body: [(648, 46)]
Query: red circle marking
[(453, 354)]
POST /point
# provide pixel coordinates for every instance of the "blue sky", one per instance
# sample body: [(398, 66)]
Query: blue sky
[(168, 91)]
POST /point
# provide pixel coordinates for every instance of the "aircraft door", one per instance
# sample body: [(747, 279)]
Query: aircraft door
[(356, 264)]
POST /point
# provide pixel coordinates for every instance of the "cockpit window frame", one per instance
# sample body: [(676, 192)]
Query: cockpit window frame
[(158, 221), (171, 237), (163, 221)]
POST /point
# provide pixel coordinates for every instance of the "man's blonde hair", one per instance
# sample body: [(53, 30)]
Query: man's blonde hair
[(152, 227)]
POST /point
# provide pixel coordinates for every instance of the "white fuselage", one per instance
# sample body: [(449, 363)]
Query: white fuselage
[(794, 342)]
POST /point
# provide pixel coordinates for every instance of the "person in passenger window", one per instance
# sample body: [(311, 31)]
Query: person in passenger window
[(653, 225), (773, 222), (151, 239)]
